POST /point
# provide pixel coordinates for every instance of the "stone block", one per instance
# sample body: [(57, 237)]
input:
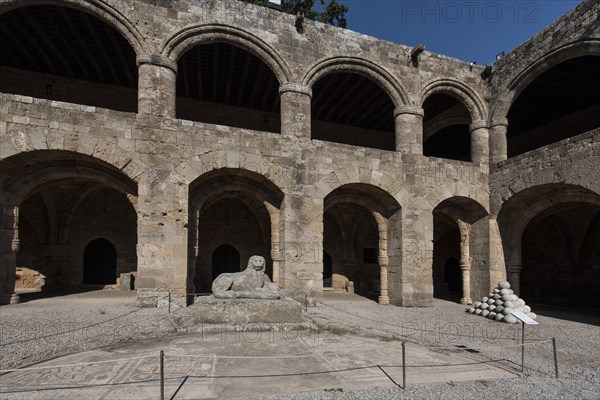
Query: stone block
[(211, 310)]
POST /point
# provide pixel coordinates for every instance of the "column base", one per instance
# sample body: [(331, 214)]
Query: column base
[(15, 299), (466, 300), (384, 300)]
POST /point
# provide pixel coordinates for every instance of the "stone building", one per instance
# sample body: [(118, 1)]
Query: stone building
[(177, 138)]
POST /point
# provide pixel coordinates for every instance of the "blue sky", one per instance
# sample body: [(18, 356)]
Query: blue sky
[(470, 30)]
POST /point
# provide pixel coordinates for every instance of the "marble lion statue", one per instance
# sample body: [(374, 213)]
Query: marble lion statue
[(247, 284)]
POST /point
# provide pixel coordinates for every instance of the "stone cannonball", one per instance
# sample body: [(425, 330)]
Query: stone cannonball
[(504, 285), (498, 303), (499, 317), (504, 292), (511, 319), (485, 313)]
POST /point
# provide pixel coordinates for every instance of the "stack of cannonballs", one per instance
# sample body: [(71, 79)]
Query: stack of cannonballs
[(499, 304)]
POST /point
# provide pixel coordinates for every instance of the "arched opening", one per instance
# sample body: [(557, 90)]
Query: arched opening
[(66, 54), (223, 84), (327, 270), (234, 215), (550, 236), (458, 229), (560, 103), (452, 276), (352, 109), (561, 260), (446, 249), (100, 263), (355, 232), (60, 203), (225, 259), (446, 128)]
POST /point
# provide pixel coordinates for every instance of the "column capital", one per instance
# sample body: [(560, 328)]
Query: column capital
[(478, 125), (296, 88), (156, 59), (515, 267), (498, 122), (408, 109)]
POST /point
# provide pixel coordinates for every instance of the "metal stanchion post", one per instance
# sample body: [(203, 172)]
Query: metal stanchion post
[(555, 357), (403, 365), (522, 346), (162, 375), (306, 302), (169, 302)]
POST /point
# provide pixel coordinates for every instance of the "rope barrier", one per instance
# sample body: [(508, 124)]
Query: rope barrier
[(416, 329), (490, 347), (238, 357), (74, 364)]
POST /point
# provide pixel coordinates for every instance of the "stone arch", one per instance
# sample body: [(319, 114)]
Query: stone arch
[(39, 172), (374, 212), (459, 232), (95, 148), (362, 67), (522, 208), (458, 190), (102, 10), (194, 35), (259, 202), (527, 75), (461, 92), (336, 179)]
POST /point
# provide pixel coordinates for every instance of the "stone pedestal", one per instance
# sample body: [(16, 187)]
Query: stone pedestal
[(211, 310)]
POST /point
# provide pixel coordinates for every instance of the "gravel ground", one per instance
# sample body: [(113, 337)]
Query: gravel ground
[(45, 328), (447, 325)]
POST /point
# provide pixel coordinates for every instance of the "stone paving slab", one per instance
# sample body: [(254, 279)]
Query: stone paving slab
[(238, 364)]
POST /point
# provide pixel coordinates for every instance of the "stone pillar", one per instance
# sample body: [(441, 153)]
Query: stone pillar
[(479, 142), (162, 247), (498, 145), (301, 238), (514, 270), (10, 247), (409, 129), (295, 110), (156, 85), (383, 258), (465, 262), (275, 253), (410, 246), (194, 248)]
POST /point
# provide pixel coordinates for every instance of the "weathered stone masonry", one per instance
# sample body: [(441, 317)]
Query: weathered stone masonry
[(271, 159)]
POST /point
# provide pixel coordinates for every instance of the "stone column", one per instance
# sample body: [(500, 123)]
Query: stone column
[(514, 270), (479, 142), (10, 247), (295, 110), (383, 258), (465, 262), (194, 248), (162, 247), (156, 85), (409, 129), (498, 145), (275, 254)]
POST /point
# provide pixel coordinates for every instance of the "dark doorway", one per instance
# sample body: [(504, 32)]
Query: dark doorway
[(327, 269), (100, 263), (225, 259), (453, 276)]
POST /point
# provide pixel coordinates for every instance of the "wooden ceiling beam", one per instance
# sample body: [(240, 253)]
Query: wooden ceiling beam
[(67, 45), (19, 45), (104, 54), (215, 71), (83, 46), (119, 52), (244, 77)]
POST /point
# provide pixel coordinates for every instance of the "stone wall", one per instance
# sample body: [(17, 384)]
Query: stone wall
[(157, 160)]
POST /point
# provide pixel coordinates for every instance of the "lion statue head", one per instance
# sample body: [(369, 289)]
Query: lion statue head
[(256, 263)]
